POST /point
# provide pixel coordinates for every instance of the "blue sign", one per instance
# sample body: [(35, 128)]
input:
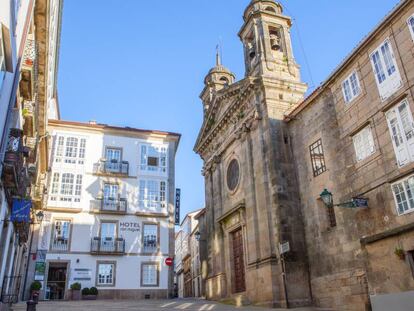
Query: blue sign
[(177, 206), (360, 202), (21, 210)]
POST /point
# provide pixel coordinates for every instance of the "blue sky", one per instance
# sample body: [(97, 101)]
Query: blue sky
[(142, 63)]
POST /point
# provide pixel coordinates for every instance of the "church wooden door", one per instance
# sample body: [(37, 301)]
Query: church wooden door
[(238, 262)]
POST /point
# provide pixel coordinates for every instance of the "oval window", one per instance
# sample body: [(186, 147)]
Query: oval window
[(233, 175)]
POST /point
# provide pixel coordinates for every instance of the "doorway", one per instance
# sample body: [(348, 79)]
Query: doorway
[(238, 261), (56, 281)]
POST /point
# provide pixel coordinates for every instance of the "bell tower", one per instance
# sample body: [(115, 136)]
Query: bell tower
[(266, 39)]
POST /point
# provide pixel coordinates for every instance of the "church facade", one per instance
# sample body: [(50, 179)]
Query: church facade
[(268, 153)]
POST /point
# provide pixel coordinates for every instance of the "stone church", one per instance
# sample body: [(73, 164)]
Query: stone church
[(252, 202), (271, 234)]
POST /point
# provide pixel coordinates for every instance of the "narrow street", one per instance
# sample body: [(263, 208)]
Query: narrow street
[(144, 305)]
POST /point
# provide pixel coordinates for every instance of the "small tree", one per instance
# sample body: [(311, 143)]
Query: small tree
[(93, 291), (85, 291), (75, 286), (36, 286)]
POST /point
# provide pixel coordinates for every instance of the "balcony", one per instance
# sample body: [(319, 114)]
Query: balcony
[(15, 175), (28, 70), (115, 168), (60, 245), (107, 246), (110, 205), (28, 115)]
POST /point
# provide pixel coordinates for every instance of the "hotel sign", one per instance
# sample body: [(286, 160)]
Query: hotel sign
[(129, 226), (177, 206)]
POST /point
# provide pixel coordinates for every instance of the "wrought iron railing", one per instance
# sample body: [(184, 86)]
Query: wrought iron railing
[(60, 245), (113, 205), (10, 289), (112, 167), (107, 245), (150, 244)]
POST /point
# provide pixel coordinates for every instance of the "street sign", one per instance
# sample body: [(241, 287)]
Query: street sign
[(284, 248), (177, 206), (360, 202), (169, 261)]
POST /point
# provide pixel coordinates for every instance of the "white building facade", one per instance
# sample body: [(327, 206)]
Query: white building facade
[(26, 31), (109, 218)]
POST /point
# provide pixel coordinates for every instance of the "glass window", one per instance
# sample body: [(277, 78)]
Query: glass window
[(66, 187), (364, 144), (70, 150), (404, 195), (149, 275), (411, 25), (385, 68), (150, 238), (351, 87), (401, 126), (152, 194), (106, 273), (61, 234), (153, 158), (317, 158)]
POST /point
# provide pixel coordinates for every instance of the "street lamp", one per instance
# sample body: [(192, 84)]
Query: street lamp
[(39, 216), (327, 197)]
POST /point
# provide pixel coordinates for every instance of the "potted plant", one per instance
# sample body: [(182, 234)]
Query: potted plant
[(89, 293), (76, 291), (399, 252), (35, 288)]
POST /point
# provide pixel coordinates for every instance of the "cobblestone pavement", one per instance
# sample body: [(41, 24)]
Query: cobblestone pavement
[(142, 305)]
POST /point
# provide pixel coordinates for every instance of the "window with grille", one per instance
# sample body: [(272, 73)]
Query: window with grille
[(70, 150), (153, 158), (364, 144), (317, 158), (106, 274), (61, 235), (149, 275), (386, 70), (351, 87), (150, 238), (404, 195), (152, 194), (66, 187)]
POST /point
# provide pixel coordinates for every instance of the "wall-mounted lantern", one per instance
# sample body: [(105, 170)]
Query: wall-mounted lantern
[(357, 202)]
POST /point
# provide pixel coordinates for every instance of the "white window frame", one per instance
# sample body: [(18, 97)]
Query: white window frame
[(66, 187), (404, 199), (156, 151), (154, 269), (364, 144), (152, 194), (111, 274), (351, 87), (70, 149), (402, 133), (385, 68), (410, 22)]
